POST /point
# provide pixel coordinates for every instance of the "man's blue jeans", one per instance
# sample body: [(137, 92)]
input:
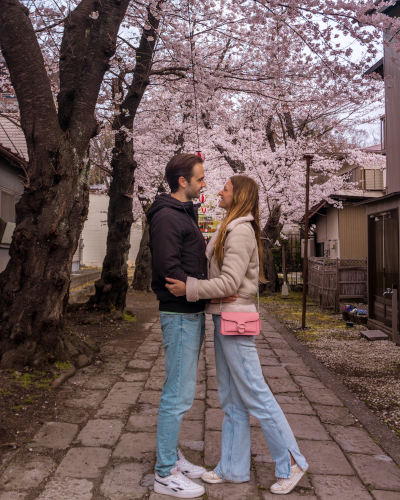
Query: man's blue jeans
[(183, 335), (242, 390)]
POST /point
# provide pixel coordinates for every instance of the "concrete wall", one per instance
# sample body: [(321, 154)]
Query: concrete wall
[(10, 177), (94, 233)]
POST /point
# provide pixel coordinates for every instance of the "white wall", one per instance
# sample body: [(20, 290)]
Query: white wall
[(328, 232), (94, 233)]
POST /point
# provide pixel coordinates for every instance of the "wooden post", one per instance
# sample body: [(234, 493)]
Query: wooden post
[(283, 263), (395, 335), (285, 288), (308, 159), (337, 298)]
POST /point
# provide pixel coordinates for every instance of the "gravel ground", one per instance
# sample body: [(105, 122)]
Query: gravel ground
[(370, 369)]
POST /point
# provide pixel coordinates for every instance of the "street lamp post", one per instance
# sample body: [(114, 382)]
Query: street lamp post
[(308, 159)]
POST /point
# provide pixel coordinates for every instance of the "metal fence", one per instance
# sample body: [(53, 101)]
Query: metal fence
[(291, 261), (333, 280)]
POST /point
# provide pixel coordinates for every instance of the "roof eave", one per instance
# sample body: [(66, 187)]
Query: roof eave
[(14, 159)]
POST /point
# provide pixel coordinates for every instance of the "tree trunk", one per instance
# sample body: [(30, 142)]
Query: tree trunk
[(35, 284), (112, 287), (142, 277), (271, 233), (34, 287), (269, 269)]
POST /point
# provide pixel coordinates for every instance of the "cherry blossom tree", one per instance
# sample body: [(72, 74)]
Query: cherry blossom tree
[(263, 128), (254, 84), (50, 215)]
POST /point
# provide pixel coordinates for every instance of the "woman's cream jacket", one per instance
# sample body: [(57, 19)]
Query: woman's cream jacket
[(238, 274)]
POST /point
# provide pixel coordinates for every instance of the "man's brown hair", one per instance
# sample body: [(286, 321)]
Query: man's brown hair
[(180, 166)]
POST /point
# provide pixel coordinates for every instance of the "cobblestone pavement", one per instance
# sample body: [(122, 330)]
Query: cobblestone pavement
[(102, 443)]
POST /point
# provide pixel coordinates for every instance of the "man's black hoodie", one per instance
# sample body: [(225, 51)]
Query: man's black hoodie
[(177, 249)]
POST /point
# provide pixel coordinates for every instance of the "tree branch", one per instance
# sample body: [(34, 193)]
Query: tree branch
[(74, 43), (289, 125), (51, 26), (270, 134), (25, 63), (177, 70), (100, 48)]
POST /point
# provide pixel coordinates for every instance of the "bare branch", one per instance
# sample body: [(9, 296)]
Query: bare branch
[(61, 21)]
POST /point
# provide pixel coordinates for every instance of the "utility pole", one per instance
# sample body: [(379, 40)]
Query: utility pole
[(308, 159)]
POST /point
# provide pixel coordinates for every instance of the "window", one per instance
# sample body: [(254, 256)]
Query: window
[(320, 249), (354, 175), (373, 180)]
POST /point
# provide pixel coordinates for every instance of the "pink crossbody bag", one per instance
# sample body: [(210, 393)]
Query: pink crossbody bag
[(241, 323)]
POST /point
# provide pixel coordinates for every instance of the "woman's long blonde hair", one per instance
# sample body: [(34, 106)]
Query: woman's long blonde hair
[(245, 200)]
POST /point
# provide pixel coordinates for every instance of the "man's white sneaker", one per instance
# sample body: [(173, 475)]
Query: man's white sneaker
[(189, 470), (285, 486), (177, 485)]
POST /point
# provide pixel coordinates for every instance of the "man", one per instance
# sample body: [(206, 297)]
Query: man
[(178, 251)]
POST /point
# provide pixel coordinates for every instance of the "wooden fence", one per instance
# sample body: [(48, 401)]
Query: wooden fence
[(333, 280)]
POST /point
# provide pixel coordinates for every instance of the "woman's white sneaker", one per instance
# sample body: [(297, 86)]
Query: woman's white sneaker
[(177, 485), (189, 470), (285, 486), (212, 478)]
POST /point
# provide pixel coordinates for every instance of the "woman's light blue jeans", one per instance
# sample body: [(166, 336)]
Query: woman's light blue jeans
[(183, 335), (243, 390)]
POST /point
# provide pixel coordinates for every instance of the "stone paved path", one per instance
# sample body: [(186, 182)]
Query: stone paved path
[(102, 444)]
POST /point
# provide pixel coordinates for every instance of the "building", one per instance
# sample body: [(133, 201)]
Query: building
[(94, 234), (207, 226), (341, 232), (11, 134), (382, 214)]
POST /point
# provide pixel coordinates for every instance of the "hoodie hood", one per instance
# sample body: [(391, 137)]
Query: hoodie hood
[(166, 200)]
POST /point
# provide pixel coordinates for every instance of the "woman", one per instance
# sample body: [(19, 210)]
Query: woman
[(234, 253)]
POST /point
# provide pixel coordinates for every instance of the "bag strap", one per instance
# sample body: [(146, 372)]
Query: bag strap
[(258, 279), (258, 288)]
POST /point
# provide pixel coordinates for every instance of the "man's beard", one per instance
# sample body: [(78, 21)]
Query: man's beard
[(192, 193)]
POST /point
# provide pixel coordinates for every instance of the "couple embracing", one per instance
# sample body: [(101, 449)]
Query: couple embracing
[(190, 280)]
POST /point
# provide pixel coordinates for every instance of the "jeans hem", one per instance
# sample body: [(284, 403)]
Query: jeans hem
[(163, 474), (230, 478), (304, 469)]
